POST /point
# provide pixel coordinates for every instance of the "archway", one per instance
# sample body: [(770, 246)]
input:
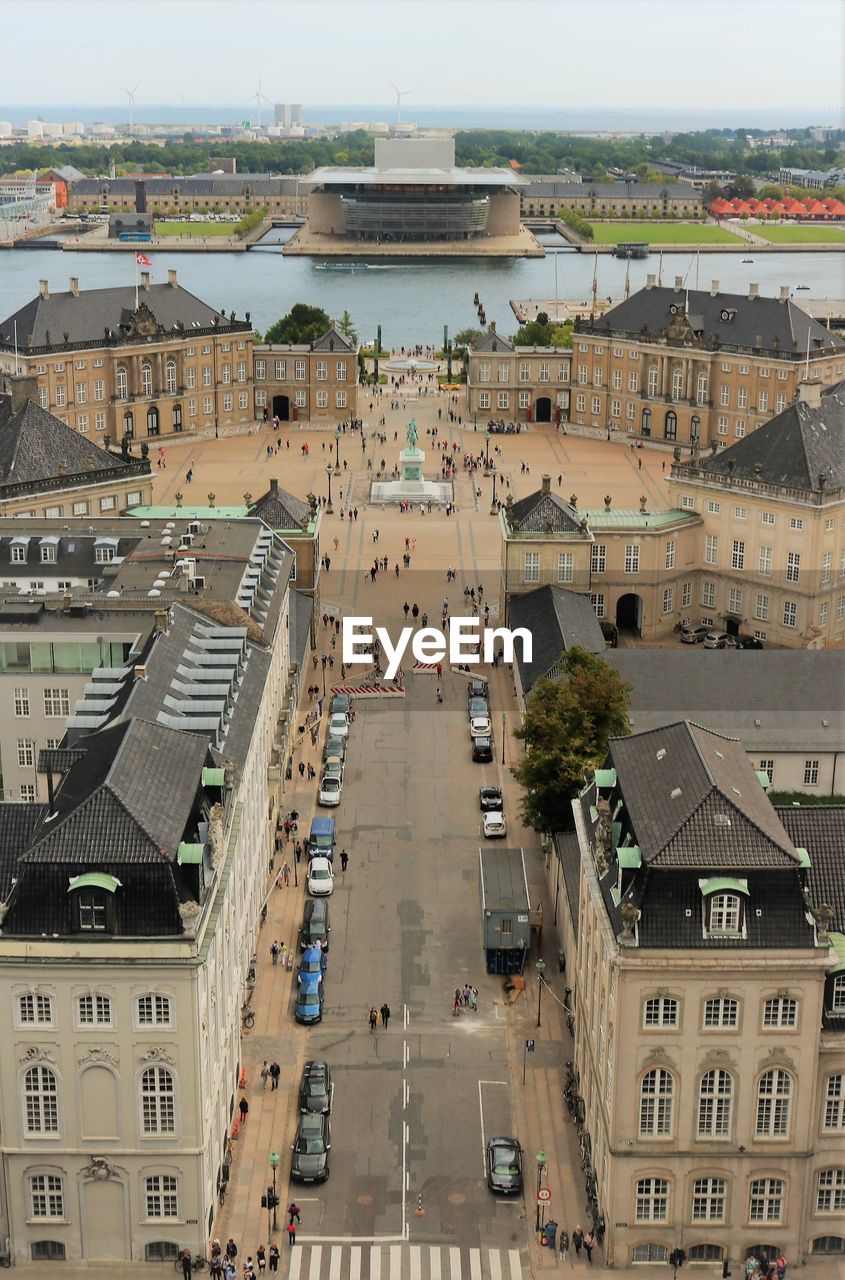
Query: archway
[(281, 408), (629, 613), (732, 625), (543, 409), (153, 426)]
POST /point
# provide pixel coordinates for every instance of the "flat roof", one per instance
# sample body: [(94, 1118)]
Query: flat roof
[(330, 175)]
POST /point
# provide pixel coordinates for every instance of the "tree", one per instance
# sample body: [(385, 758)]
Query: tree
[(347, 328), (567, 725), (302, 323), (466, 337)]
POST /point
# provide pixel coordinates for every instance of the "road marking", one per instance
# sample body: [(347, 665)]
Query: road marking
[(495, 1264), (316, 1262), (475, 1264), (396, 1262), (375, 1262), (295, 1262), (516, 1265), (434, 1264), (455, 1263), (334, 1262), (355, 1262), (416, 1264)]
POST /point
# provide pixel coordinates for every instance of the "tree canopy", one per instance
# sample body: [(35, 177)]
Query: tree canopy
[(544, 333), (567, 725), (302, 323)]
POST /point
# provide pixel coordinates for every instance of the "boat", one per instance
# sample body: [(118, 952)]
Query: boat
[(341, 266), (747, 259), (802, 286)]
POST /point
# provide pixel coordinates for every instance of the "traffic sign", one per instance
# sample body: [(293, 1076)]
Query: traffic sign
[(529, 1045), (544, 1195)]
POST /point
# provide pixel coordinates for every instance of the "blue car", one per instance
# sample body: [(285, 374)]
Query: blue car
[(312, 964), (309, 1001)]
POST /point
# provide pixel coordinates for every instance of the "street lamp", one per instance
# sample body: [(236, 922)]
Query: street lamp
[(504, 727), (541, 1169), (541, 969), (493, 500), (274, 1164), (337, 448), (329, 507), (487, 435)]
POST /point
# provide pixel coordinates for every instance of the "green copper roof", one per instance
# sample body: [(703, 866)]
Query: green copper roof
[(803, 857), (189, 854), (94, 880), (718, 884), (837, 941), (188, 513), (213, 777), (635, 519), (605, 777), (764, 779), (629, 857)]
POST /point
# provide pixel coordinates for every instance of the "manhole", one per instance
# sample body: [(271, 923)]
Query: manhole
[(457, 1198)]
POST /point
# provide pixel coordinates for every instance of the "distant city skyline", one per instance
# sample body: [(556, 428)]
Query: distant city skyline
[(554, 55)]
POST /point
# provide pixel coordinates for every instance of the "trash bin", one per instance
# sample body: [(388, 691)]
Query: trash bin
[(551, 1232)]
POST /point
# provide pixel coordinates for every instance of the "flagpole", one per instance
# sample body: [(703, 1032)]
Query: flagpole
[(16, 344), (136, 279)]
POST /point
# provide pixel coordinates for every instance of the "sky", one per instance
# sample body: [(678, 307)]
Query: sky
[(544, 53)]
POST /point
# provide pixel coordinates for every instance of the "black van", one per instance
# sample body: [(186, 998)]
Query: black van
[(316, 926)]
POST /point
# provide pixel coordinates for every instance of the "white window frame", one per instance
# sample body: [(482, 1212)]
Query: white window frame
[(155, 1002), (715, 1103), (779, 1011), (773, 1108), (531, 566), (660, 1011), (656, 1103)]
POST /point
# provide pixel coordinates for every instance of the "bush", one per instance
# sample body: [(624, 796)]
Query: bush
[(801, 798), (576, 223), (249, 222)]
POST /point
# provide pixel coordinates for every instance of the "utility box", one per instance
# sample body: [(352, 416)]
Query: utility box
[(505, 912)]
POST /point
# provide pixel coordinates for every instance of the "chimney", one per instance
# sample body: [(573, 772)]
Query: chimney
[(24, 387), (783, 296), (546, 484), (42, 289), (679, 283), (810, 393), (145, 280), (274, 485), (753, 290), (67, 601), (714, 288), (74, 286), (758, 340), (650, 281), (160, 619), (171, 278), (492, 326)]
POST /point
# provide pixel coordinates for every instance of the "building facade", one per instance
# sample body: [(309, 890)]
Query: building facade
[(707, 1095), (219, 193), (314, 382), (519, 384), (691, 368), (544, 195)]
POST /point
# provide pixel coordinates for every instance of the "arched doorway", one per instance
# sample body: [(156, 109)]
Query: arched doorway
[(153, 426), (629, 613), (670, 429), (732, 624), (128, 424), (177, 417), (646, 430), (543, 409), (281, 408)]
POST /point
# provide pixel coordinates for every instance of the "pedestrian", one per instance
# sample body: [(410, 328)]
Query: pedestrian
[(274, 1258), (373, 1020), (780, 1266), (275, 1072), (187, 1266), (344, 860), (274, 952), (563, 1241), (297, 848), (265, 1073), (473, 999), (456, 1007), (231, 1249), (291, 1234), (302, 768), (578, 1240), (261, 1259), (283, 956), (294, 1211), (285, 874), (243, 1107), (589, 1246), (385, 1014)]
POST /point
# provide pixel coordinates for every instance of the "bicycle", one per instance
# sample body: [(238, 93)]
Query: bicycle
[(247, 1017)]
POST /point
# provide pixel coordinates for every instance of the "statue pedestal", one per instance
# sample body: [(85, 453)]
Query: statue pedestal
[(411, 461), (412, 487)]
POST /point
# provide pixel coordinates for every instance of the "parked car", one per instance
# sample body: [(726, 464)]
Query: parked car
[(693, 635), (315, 1089), (311, 1147), (338, 725), (490, 798), (476, 688), (341, 702), (478, 707), (334, 747), (493, 825), (322, 837), (329, 791), (309, 1001), (719, 640), (320, 877), (749, 642), (314, 961), (504, 1166), (480, 727), (333, 768), (482, 749), (316, 926)]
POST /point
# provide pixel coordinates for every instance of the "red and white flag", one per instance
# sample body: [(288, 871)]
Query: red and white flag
[(142, 259)]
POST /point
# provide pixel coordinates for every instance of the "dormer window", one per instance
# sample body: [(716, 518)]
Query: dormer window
[(724, 909), (725, 913), (92, 902)]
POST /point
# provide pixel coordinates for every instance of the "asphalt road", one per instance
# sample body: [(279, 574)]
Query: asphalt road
[(415, 1102)]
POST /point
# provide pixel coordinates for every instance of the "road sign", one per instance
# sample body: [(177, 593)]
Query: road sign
[(544, 1195), (529, 1046)]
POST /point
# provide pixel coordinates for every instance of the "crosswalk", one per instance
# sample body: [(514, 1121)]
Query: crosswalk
[(399, 1262)]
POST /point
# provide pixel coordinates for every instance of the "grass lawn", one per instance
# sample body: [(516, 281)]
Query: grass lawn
[(205, 230), (778, 233), (661, 233)]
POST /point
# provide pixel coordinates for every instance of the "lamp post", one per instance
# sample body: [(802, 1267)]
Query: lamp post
[(541, 1169), (337, 448), (541, 969), (274, 1164), (504, 730), (329, 507), (493, 499), (487, 435)]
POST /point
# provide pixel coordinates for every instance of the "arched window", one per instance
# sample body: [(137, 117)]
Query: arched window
[(650, 1253), (170, 377), (715, 1094), (646, 422), (702, 386), (153, 427), (35, 1009), (47, 1251), (708, 1199), (657, 1092), (765, 1202), (161, 1196), (677, 384), (128, 423), (660, 1011), (828, 1245), (694, 428), (154, 1010), (705, 1253), (652, 1202), (830, 1191), (670, 427), (41, 1101), (721, 1011), (146, 379), (161, 1251), (653, 380), (725, 913), (177, 417), (774, 1092), (780, 1011), (158, 1101), (122, 383), (94, 1010)]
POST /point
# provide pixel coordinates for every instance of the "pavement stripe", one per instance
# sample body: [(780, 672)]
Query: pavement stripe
[(416, 1265), (434, 1262), (355, 1262), (375, 1262), (316, 1262), (455, 1263), (334, 1263), (495, 1264), (475, 1264), (516, 1264), (295, 1262), (396, 1262)]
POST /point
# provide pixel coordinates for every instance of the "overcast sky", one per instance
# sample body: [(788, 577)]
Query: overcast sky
[(545, 53)]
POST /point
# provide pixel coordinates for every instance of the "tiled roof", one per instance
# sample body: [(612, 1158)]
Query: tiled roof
[(664, 899), (332, 340), (801, 448), (557, 620), (543, 512), (693, 800), (17, 823), (147, 904), (281, 510), (820, 829), (492, 342), (569, 853), (35, 446)]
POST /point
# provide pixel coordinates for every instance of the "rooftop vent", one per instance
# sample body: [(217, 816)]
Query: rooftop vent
[(661, 755), (674, 793), (721, 820)]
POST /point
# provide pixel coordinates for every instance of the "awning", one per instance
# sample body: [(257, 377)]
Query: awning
[(723, 884), (94, 880)]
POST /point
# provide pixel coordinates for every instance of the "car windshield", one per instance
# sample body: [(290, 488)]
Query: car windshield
[(309, 1146), (482, 742), (320, 873), (309, 998), (317, 1088), (317, 929), (505, 1165)]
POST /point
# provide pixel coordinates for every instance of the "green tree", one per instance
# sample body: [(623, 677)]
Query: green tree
[(347, 328), (466, 337), (567, 725), (302, 323)]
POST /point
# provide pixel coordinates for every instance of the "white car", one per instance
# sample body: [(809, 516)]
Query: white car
[(493, 825), (320, 878), (480, 727), (338, 725), (329, 792)]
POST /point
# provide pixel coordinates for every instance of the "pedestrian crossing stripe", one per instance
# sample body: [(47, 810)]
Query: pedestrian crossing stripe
[(427, 668), (369, 690), (399, 1262)]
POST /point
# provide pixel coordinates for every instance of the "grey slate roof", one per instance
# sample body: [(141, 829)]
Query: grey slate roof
[(35, 446), (86, 317), (820, 829), (616, 190), (332, 340), (569, 853), (557, 620), (777, 323), (693, 800), (208, 184), (301, 609), (801, 448), (281, 510), (17, 823), (771, 699), (492, 342), (542, 512)]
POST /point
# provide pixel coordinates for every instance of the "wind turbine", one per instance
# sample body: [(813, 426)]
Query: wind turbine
[(400, 94), (130, 93), (258, 98)]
